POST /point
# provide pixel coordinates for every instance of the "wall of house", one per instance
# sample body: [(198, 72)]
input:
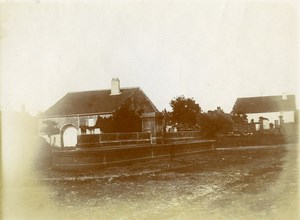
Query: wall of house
[(266, 124), (152, 122), (288, 116), (61, 121), (140, 102), (77, 121)]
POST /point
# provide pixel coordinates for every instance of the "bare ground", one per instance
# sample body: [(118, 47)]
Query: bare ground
[(230, 183)]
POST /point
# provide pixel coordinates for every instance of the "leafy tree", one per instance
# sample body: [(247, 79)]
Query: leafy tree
[(184, 112), (215, 122), (50, 129), (239, 117), (166, 119), (125, 119), (105, 124)]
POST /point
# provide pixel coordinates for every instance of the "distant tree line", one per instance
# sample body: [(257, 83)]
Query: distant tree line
[(186, 114)]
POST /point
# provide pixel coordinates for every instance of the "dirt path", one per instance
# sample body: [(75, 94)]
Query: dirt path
[(241, 183)]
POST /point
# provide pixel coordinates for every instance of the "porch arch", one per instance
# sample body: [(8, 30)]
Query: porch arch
[(69, 134)]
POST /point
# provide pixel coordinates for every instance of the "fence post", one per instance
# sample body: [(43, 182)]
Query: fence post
[(118, 139)]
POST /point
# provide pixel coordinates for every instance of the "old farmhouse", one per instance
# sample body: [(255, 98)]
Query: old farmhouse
[(83, 108), (268, 112)]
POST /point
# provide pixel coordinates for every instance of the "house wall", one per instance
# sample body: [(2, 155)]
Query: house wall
[(288, 116), (77, 121), (152, 122), (140, 102), (266, 124)]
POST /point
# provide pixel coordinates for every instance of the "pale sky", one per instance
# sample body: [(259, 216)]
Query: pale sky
[(214, 51)]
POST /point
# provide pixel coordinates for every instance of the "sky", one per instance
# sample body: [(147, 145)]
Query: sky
[(213, 51)]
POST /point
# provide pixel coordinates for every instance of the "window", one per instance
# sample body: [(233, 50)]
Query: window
[(90, 122)]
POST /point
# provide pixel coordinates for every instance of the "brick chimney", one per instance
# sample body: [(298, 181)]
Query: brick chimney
[(115, 87)]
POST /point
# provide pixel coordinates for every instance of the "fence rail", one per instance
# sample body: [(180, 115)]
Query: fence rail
[(88, 138), (181, 136), (134, 138), (108, 139)]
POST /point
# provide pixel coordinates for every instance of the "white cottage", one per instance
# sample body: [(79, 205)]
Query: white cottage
[(78, 109), (270, 110)]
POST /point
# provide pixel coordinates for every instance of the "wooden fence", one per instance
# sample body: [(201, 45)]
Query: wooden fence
[(181, 136), (113, 139)]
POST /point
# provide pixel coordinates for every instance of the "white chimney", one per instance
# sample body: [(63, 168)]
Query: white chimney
[(284, 96), (115, 87)]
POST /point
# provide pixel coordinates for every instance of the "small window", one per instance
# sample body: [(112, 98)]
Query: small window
[(90, 122)]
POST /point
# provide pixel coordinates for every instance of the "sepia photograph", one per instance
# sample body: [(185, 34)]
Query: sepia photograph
[(148, 109)]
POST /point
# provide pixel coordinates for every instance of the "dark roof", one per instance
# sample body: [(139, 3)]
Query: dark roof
[(87, 102), (265, 104)]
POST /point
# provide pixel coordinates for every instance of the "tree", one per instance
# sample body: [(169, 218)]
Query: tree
[(184, 112), (239, 117), (215, 122), (166, 119), (125, 119), (105, 124), (50, 129)]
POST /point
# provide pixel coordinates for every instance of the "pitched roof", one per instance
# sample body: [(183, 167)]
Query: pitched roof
[(265, 104), (99, 101)]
